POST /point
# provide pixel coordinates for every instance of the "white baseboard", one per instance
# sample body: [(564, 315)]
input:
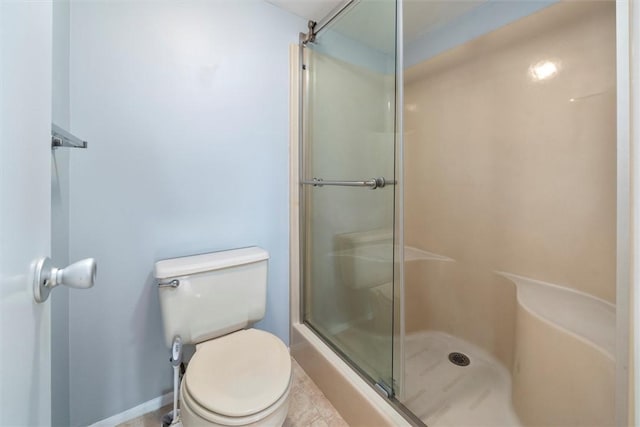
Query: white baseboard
[(135, 412)]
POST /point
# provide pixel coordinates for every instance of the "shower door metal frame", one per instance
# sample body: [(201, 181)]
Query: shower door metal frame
[(627, 198), (384, 390)]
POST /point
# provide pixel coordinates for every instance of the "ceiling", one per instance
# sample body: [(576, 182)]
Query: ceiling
[(313, 10), (419, 18)]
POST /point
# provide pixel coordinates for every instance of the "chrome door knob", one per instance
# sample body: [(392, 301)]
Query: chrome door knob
[(80, 275)]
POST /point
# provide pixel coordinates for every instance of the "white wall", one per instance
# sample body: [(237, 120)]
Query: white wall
[(25, 228), (185, 107)]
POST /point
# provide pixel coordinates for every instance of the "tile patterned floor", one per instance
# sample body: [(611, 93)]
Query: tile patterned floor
[(308, 407)]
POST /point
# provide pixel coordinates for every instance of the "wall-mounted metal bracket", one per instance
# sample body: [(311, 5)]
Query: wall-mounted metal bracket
[(62, 138), (311, 35), (317, 27)]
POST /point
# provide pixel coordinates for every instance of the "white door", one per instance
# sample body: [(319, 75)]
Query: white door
[(25, 210)]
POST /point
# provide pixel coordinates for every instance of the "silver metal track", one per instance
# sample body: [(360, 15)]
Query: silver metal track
[(324, 22)]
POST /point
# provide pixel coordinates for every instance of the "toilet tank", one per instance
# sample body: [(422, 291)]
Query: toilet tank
[(216, 293)]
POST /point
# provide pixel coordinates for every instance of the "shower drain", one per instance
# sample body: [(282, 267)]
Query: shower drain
[(459, 359)]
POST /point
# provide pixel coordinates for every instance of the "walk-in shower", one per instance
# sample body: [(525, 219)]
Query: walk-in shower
[(457, 180)]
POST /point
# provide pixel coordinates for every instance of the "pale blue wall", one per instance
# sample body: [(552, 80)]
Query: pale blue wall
[(185, 107), (336, 45)]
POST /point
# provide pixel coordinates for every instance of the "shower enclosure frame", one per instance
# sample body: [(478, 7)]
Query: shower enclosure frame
[(355, 398), (386, 390), (300, 179), (349, 393)]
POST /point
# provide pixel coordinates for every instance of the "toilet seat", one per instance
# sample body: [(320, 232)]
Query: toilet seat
[(238, 378), (193, 414)]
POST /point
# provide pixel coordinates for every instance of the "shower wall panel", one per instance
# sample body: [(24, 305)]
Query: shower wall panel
[(510, 166), (505, 173)]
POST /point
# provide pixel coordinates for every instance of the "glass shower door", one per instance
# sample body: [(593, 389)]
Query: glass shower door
[(348, 186)]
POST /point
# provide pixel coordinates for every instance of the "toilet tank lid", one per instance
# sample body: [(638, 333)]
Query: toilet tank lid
[(183, 266)]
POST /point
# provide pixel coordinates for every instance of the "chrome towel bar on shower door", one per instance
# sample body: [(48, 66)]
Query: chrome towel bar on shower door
[(372, 183)]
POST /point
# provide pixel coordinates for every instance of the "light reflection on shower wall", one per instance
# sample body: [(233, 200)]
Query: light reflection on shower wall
[(510, 166)]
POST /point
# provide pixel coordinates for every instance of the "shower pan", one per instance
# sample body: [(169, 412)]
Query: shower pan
[(457, 242)]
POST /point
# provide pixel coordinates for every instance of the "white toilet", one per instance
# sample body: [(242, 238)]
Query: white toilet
[(237, 376)]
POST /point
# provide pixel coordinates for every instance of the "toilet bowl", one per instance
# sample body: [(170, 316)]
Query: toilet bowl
[(238, 376)]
